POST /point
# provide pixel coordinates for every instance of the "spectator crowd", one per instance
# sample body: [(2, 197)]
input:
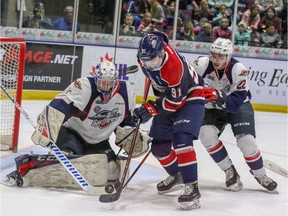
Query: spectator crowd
[(258, 22)]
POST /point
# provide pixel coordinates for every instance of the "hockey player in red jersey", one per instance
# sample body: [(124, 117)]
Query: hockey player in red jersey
[(228, 98), (178, 90), (80, 121)]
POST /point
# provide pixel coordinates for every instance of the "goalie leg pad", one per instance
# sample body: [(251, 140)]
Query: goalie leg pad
[(46, 171), (141, 143)]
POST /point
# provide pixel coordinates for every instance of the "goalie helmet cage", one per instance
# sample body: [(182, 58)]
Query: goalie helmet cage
[(12, 61)]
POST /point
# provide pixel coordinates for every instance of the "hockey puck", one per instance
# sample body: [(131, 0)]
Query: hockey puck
[(109, 188)]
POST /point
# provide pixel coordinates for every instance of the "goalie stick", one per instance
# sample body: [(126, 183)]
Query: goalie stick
[(107, 198), (275, 168), (69, 167)]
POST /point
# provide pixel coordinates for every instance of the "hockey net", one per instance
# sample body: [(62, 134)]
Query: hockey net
[(12, 60)]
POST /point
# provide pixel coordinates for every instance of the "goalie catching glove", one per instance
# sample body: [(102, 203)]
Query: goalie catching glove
[(48, 126), (216, 97), (141, 143)]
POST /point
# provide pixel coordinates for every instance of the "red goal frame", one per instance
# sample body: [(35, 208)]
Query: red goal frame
[(19, 86)]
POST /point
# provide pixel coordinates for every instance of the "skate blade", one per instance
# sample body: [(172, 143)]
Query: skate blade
[(235, 187), (190, 205), (176, 188)]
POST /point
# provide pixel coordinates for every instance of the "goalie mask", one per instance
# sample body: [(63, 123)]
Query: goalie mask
[(106, 80)]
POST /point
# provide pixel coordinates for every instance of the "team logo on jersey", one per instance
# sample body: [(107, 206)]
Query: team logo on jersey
[(243, 73), (104, 118), (77, 84)]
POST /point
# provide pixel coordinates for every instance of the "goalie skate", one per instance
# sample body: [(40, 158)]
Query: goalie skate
[(233, 182), (266, 182), (190, 197), (170, 184), (13, 179)]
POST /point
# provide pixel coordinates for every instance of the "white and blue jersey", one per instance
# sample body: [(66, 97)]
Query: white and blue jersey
[(233, 82), (87, 116)]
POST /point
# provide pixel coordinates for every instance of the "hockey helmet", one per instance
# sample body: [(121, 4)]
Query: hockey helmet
[(222, 46), (151, 51), (106, 79)]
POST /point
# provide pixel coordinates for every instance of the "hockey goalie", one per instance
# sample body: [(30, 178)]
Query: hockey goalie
[(80, 121)]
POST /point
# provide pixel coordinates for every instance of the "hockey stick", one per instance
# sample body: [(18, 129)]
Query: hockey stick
[(275, 168), (64, 160), (107, 198), (131, 69), (137, 168)]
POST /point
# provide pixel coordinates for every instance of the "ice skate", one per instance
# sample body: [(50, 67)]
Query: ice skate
[(13, 179), (170, 184), (233, 182), (190, 197), (266, 182)]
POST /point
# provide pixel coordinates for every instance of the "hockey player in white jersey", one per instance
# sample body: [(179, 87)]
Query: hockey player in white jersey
[(80, 121), (228, 102)]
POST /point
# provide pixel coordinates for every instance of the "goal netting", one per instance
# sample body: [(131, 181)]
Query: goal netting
[(12, 60)]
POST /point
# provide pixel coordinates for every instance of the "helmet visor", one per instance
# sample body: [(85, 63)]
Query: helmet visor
[(154, 64)]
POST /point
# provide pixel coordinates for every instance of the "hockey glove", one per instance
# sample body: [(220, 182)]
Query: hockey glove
[(141, 142), (216, 96), (48, 126), (145, 112)]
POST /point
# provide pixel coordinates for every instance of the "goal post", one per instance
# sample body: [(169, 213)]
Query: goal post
[(12, 61)]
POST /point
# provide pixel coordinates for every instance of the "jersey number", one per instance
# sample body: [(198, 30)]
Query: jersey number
[(176, 92), (242, 85)]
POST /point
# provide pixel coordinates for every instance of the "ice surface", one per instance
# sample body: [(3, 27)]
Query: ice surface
[(141, 198)]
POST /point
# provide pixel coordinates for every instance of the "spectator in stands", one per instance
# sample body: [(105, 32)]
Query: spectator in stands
[(138, 8), (127, 28), (223, 12), (242, 6), (206, 33), (204, 12), (242, 36), (263, 5), (270, 38), (252, 18), (169, 18), (147, 25), (216, 4), (65, 23), (223, 31), (37, 18), (157, 11), (186, 32), (270, 18)]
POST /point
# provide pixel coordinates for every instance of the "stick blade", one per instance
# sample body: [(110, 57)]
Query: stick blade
[(132, 69), (108, 198), (275, 168)]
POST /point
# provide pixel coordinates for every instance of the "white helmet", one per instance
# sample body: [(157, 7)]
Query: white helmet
[(222, 46), (106, 79)]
